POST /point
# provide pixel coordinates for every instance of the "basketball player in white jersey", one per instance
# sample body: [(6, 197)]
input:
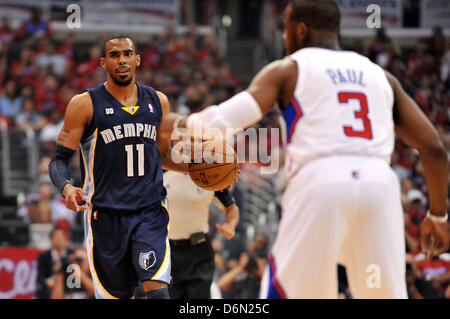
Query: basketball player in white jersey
[(342, 203)]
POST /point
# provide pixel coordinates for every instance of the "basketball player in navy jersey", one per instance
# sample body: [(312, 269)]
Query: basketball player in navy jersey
[(122, 128)]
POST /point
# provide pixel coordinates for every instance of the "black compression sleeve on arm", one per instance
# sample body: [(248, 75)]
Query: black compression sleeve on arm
[(58, 168), (225, 197)]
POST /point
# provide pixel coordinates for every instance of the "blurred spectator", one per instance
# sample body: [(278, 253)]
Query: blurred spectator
[(416, 212), (434, 272), (437, 44), (49, 261), (191, 101), (423, 96), (68, 51), (243, 280), (45, 207), (381, 49), (29, 118), (6, 32), (35, 26), (49, 58), (225, 79), (48, 97), (79, 285), (419, 63), (44, 177), (10, 102), (89, 67), (50, 131), (23, 69), (150, 57)]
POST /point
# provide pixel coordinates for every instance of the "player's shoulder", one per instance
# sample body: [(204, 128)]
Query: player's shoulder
[(80, 106), (81, 100), (152, 90), (283, 68)]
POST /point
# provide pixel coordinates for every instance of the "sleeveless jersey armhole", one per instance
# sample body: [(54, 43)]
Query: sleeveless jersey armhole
[(90, 128)]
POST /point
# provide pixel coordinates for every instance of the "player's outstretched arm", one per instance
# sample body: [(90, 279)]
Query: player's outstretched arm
[(168, 122), (78, 115), (275, 82), (414, 128)]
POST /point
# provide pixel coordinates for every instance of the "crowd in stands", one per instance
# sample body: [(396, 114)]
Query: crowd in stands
[(39, 76)]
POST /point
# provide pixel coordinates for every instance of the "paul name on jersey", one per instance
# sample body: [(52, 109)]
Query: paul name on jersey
[(346, 76)]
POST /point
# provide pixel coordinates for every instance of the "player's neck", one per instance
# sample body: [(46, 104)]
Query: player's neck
[(324, 39), (122, 93), (331, 44)]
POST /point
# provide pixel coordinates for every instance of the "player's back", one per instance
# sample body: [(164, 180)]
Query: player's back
[(342, 104)]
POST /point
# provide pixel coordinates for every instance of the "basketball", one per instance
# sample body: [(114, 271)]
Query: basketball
[(214, 166)]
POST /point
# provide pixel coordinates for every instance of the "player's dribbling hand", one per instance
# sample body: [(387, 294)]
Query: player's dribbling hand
[(435, 238), (73, 195)]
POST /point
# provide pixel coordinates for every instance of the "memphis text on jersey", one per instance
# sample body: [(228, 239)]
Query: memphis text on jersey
[(129, 130)]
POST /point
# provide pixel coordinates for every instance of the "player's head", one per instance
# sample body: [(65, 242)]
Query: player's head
[(120, 59), (308, 22)]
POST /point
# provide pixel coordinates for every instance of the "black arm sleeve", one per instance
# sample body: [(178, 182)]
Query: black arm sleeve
[(58, 168), (225, 197)]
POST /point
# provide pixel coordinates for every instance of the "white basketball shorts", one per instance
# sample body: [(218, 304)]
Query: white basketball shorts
[(339, 209)]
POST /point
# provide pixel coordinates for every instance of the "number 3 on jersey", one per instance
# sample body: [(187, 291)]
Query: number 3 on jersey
[(344, 98), (130, 159)]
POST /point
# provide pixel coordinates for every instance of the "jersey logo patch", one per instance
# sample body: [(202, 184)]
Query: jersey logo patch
[(109, 111), (147, 260), (150, 107), (130, 109)]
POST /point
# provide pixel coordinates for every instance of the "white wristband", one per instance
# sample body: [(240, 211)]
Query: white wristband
[(437, 219), (240, 111)]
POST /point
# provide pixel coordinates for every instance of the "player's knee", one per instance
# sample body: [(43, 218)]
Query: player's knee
[(161, 293)]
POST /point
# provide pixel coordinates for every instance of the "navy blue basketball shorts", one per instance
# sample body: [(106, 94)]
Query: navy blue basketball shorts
[(127, 247)]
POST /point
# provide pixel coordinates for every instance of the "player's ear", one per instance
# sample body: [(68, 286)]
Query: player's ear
[(138, 60), (102, 62), (301, 31)]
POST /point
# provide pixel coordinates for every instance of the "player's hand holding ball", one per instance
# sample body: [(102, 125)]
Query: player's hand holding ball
[(214, 166), (75, 198)]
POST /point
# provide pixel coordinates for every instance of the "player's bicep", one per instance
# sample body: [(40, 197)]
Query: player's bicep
[(265, 87), (268, 85), (77, 116)]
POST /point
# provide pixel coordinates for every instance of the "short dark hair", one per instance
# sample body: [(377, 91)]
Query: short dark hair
[(118, 36), (317, 14)]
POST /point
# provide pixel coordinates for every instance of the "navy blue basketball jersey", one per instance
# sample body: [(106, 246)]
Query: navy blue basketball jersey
[(121, 159)]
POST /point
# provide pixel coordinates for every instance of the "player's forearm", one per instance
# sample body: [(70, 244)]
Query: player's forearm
[(59, 167), (240, 111), (232, 215), (435, 166), (169, 164)]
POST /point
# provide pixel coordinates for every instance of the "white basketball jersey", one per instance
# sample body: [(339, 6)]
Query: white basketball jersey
[(342, 104)]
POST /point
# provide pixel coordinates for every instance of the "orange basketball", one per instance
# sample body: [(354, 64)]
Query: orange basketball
[(215, 166)]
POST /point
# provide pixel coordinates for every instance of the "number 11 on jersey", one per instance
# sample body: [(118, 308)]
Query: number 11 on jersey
[(130, 159)]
